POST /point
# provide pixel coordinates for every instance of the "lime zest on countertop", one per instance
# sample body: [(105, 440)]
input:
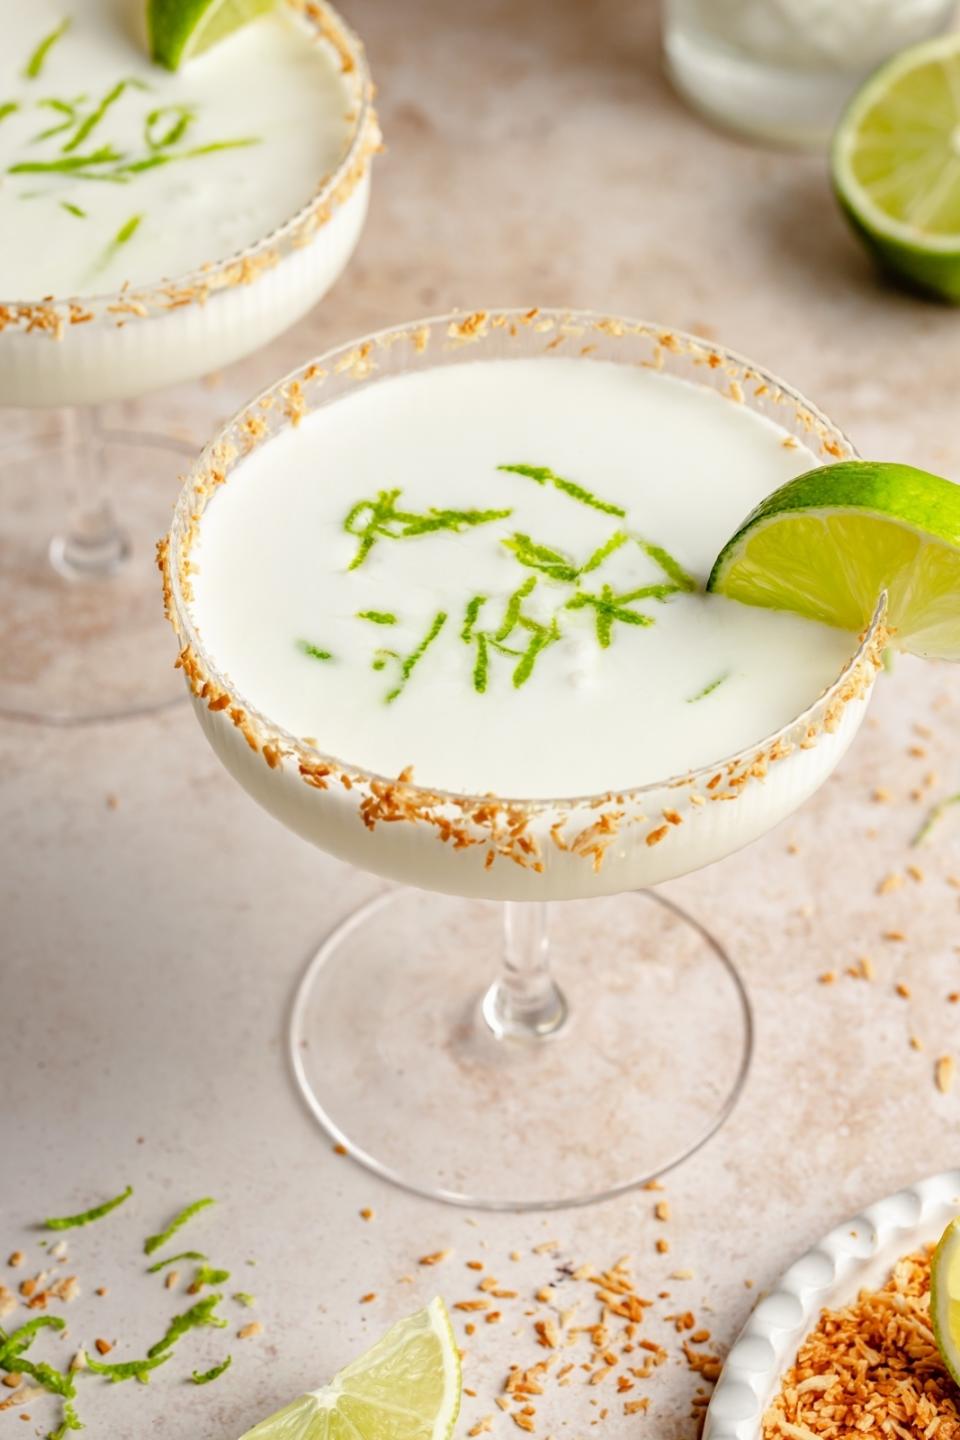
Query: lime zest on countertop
[(172, 1260), (153, 1242), (192, 1319), (97, 1212), (204, 1377)]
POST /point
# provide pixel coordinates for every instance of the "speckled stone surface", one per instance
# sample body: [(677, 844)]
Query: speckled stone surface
[(150, 942)]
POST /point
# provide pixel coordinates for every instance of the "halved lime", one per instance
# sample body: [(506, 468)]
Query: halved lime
[(945, 1297), (406, 1388), (178, 30), (828, 543), (896, 165)]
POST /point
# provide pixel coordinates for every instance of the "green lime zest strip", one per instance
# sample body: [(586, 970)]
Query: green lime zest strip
[(122, 1370), (541, 557), (413, 659), (204, 1377), (314, 651), (11, 1346), (53, 1380), (377, 617), (183, 118), (35, 64), (371, 520), (128, 230), (618, 538), (668, 565), (471, 616), (482, 665), (608, 607), (208, 1275), (70, 1222), (71, 1421), (9, 107), (61, 107), (543, 475), (184, 1255), (543, 635), (934, 816), (512, 613), (708, 689), (96, 115), (72, 209), (153, 1242), (198, 1315), (243, 1298), (150, 162), (106, 155), (650, 592)]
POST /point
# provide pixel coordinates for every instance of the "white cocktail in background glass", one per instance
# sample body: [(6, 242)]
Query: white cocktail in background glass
[(183, 220), (783, 70), (426, 586)]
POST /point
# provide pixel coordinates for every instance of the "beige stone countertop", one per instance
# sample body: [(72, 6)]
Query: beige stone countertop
[(154, 921)]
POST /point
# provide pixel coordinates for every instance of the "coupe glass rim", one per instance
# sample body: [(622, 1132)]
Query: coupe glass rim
[(428, 794)]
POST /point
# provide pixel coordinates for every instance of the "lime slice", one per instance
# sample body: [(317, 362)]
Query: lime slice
[(896, 166), (406, 1388), (945, 1297), (179, 30), (828, 543)]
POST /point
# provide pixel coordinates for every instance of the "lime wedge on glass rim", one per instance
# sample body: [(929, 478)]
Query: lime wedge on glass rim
[(179, 30), (896, 166), (945, 1297), (407, 1387), (827, 544)]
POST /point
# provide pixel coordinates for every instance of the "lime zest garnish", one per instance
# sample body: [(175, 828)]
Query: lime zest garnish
[(243, 1298), (35, 64), (550, 562), (542, 636), (53, 1380), (371, 520), (70, 1222), (511, 615), (408, 665), (543, 475), (13, 1345), (127, 230), (9, 107), (72, 209), (669, 565), (377, 617), (471, 615), (934, 815), (192, 1319), (207, 1275), (96, 115), (618, 538), (122, 1370), (153, 1242), (708, 689), (609, 607), (183, 1255), (185, 116), (150, 162), (314, 651), (70, 1421), (67, 165), (204, 1377)]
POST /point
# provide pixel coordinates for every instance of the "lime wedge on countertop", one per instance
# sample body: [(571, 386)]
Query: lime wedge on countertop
[(407, 1387), (179, 30), (896, 165), (945, 1297), (827, 544)]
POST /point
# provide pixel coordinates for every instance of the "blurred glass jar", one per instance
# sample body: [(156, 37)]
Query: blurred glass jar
[(783, 70)]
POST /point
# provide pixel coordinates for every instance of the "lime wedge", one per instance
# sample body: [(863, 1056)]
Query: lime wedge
[(828, 543), (406, 1388), (945, 1297), (896, 166), (179, 30)]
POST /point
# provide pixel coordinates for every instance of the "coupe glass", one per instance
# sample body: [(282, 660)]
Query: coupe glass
[(77, 583), (477, 1045)]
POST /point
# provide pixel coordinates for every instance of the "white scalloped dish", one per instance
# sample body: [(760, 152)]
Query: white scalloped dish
[(860, 1252)]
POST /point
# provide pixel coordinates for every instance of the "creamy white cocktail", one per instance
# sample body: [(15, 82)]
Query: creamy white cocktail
[(158, 224), (440, 604)]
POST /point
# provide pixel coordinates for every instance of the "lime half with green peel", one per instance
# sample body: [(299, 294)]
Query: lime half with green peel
[(827, 544), (179, 30), (945, 1297), (896, 166), (406, 1388)]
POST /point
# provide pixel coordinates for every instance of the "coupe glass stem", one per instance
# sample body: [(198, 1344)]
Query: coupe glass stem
[(525, 1003), (93, 545)]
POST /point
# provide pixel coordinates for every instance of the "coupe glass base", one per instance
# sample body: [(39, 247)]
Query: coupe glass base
[(397, 1055), (82, 635)]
